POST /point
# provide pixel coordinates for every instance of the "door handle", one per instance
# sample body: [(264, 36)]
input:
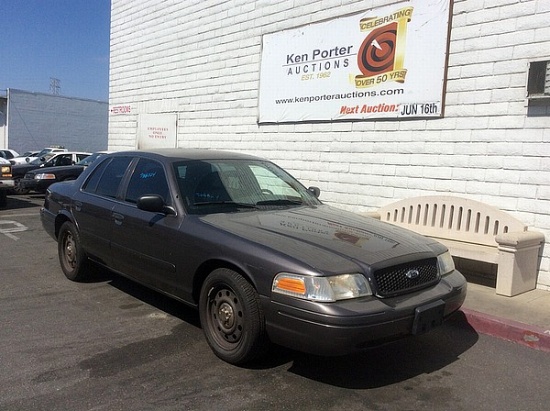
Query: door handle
[(118, 218)]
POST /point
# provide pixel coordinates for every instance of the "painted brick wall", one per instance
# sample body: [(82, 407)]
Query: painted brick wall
[(201, 60), (39, 120)]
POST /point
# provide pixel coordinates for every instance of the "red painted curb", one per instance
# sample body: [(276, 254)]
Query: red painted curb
[(524, 334)]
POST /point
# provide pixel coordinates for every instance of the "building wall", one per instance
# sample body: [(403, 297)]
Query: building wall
[(3, 110), (37, 120), (201, 60)]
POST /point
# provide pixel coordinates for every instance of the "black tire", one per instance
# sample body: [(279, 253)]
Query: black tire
[(73, 259), (231, 317), (3, 198), (17, 187)]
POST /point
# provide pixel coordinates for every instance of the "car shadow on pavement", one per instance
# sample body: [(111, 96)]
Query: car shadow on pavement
[(392, 363), (146, 295), (385, 365), (16, 202)]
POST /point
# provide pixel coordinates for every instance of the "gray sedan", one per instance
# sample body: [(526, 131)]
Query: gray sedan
[(259, 255)]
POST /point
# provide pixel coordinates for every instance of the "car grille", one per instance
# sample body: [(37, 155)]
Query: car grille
[(404, 278)]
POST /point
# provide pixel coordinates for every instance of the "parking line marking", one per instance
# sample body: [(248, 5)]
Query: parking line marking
[(16, 228), (24, 215)]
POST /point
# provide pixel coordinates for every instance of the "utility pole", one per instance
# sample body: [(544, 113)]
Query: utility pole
[(54, 86)]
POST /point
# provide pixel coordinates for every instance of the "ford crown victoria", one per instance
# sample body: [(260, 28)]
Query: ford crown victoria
[(259, 255), (41, 178)]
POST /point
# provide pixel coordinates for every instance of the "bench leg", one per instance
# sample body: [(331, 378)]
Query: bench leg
[(517, 270)]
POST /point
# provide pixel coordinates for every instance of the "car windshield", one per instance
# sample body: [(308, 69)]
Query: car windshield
[(29, 154), (43, 152), (88, 160), (209, 186), (42, 159)]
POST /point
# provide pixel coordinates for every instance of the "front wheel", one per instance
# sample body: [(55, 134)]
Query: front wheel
[(72, 258), (231, 317), (17, 187)]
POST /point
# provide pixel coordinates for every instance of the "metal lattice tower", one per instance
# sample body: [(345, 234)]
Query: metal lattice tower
[(55, 86)]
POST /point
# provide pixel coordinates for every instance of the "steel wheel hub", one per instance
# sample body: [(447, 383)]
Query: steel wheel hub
[(70, 254), (226, 316)]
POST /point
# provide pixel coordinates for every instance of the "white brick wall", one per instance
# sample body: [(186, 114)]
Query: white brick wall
[(201, 60)]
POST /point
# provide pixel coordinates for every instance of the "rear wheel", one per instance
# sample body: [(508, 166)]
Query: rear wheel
[(231, 317), (72, 258)]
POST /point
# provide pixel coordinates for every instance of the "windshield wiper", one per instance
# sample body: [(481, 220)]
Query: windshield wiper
[(229, 203), (280, 202)]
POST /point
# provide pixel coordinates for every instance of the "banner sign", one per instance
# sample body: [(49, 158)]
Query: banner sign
[(384, 63)]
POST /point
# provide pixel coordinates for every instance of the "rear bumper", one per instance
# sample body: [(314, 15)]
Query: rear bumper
[(351, 326), (48, 222)]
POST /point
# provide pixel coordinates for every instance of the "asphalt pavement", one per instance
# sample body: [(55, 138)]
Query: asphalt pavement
[(110, 344), (523, 319)]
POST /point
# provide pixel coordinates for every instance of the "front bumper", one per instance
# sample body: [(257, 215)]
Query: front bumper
[(7, 184), (354, 325), (35, 185)]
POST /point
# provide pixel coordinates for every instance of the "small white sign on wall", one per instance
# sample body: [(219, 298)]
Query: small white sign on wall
[(157, 131)]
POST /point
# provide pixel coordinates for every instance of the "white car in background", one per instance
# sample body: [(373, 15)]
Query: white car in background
[(21, 159), (6, 155), (34, 155)]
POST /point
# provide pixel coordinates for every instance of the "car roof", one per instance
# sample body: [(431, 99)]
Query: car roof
[(67, 152), (188, 154)]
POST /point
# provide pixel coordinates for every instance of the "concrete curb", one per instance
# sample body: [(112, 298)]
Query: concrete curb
[(524, 334)]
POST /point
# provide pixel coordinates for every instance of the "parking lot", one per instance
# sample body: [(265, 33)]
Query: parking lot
[(110, 344)]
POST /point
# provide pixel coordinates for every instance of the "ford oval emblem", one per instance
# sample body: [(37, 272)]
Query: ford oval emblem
[(412, 274)]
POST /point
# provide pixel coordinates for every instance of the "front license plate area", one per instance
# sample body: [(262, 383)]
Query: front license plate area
[(428, 316)]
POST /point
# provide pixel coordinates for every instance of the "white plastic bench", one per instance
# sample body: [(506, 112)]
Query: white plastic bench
[(474, 231)]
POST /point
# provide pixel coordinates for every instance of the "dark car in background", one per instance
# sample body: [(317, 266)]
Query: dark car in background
[(52, 159), (40, 179), (259, 255)]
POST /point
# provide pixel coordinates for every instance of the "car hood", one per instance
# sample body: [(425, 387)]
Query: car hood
[(56, 169), (22, 169), (326, 238)]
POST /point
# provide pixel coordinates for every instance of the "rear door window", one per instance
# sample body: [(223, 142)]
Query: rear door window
[(105, 179)]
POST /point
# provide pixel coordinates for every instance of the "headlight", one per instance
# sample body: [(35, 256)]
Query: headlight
[(334, 288), (446, 263), (6, 171), (44, 176)]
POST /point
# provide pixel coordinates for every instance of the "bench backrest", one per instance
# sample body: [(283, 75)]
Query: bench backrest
[(453, 218)]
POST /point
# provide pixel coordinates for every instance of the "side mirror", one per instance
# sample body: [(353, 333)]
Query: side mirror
[(28, 160), (154, 204), (316, 191)]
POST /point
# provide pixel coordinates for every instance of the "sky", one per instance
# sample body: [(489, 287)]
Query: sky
[(63, 39)]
